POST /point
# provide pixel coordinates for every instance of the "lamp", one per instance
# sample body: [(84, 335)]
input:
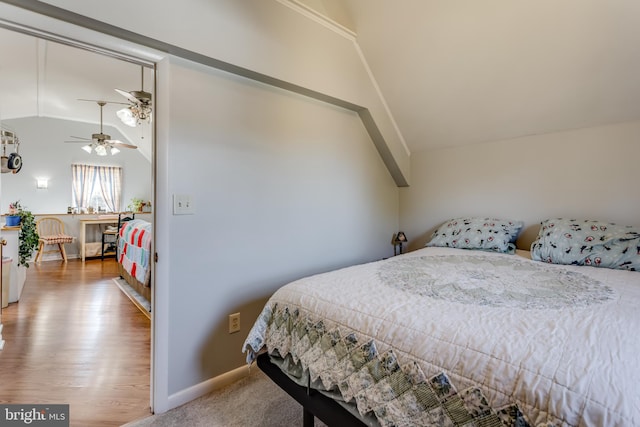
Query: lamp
[(140, 109), (42, 183), (135, 115), (126, 116), (398, 239), (101, 149)]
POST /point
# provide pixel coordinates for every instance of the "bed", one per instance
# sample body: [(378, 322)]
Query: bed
[(134, 260), (464, 335)]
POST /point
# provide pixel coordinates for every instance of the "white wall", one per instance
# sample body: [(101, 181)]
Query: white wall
[(45, 154), (283, 186), (588, 173)]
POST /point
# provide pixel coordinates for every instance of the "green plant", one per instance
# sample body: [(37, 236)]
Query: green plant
[(135, 205), (28, 237), (15, 207)]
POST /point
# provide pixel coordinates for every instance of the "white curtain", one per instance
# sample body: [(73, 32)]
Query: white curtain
[(110, 184), (83, 182), (105, 179)]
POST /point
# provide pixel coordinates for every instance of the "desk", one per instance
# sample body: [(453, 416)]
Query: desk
[(107, 219)]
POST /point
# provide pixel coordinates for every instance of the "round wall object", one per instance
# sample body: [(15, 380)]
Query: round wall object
[(18, 170), (15, 161)]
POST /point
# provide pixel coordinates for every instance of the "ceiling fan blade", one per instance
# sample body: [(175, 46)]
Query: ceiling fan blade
[(120, 143), (80, 137), (106, 102), (127, 95), (88, 141)]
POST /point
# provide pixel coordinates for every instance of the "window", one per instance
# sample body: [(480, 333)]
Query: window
[(99, 187)]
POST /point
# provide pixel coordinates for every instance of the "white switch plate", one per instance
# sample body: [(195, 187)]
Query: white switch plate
[(183, 204)]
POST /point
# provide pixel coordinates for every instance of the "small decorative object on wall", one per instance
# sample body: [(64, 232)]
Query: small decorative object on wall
[(11, 162)]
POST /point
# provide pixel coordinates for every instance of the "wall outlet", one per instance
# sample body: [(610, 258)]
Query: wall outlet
[(234, 323)]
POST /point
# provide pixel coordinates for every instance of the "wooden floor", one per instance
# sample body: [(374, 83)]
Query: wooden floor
[(75, 338)]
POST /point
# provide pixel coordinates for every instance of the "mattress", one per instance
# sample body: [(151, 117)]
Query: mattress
[(450, 337)]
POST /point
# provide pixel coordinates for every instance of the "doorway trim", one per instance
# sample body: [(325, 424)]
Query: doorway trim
[(33, 18)]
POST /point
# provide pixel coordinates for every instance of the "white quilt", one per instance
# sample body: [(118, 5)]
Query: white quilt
[(560, 343)]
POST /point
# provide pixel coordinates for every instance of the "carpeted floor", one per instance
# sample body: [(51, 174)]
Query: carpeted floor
[(252, 401)]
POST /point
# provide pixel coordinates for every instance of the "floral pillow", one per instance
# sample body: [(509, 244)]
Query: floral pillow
[(587, 242), (490, 234)]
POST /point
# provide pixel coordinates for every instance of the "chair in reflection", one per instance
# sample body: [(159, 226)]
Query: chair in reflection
[(51, 232)]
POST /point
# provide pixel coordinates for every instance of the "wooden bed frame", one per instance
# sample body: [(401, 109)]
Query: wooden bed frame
[(139, 287), (314, 403)]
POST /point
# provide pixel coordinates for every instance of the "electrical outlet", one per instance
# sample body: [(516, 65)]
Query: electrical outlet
[(234, 323)]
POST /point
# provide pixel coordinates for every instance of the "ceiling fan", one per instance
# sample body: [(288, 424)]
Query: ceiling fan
[(139, 109), (102, 143)]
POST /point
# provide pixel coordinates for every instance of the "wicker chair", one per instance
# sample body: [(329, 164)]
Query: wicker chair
[(51, 232)]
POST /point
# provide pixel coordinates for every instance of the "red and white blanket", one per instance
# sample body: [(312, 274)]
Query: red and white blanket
[(134, 249)]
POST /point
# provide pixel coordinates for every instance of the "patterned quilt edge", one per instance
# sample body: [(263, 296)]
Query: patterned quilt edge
[(439, 402)]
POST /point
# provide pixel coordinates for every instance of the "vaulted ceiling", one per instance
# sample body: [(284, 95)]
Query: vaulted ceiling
[(40, 78), (467, 71), (452, 72)]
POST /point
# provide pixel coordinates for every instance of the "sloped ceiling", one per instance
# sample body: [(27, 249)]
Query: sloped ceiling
[(467, 71), (452, 72), (40, 78)]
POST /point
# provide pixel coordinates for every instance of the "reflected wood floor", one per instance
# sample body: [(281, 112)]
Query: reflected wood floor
[(75, 338)]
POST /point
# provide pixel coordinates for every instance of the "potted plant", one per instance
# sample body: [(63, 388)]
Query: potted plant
[(136, 205), (12, 219), (28, 236)]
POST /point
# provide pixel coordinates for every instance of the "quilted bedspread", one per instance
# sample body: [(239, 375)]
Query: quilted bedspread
[(445, 336), (134, 249)]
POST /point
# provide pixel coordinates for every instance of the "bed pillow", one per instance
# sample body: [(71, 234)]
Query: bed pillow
[(587, 242), (490, 234)]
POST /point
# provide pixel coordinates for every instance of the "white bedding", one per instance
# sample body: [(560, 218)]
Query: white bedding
[(560, 342)]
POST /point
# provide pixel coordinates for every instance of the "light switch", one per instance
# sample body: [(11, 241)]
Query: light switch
[(183, 204)]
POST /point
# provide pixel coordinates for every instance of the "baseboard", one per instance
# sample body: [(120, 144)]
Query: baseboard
[(212, 384), (55, 257)]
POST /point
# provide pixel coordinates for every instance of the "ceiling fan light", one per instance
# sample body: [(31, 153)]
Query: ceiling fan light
[(114, 151), (87, 148), (127, 117), (145, 114), (101, 150)]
